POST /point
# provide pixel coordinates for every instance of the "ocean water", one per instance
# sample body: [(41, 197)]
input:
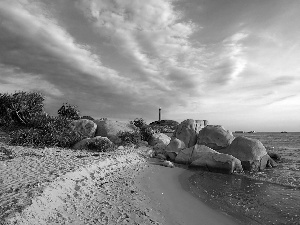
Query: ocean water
[(271, 196)]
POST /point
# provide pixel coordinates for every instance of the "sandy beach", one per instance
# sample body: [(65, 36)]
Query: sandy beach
[(63, 186)]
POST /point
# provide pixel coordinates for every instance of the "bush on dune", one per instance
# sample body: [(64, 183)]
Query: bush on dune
[(144, 132), (69, 111), (127, 137), (47, 131), (100, 145), (20, 108), (23, 116)]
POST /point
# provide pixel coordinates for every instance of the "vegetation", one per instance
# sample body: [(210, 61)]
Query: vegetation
[(164, 126), (145, 131), (20, 108), (69, 111), (128, 137), (100, 145), (23, 117)]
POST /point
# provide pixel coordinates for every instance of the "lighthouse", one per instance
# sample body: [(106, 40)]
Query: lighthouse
[(159, 114)]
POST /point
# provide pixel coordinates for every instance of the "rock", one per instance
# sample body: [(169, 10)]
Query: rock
[(175, 145), (161, 156), (167, 164), (83, 144), (110, 129), (171, 155), (215, 137), (151, 153), (275, 156), (85, 127), (121, 147), (218, 162), (272, 163), (249, 151), (186, 132), (159, 148), (188, 155), (184, 156), (199, 150), (160, 138)]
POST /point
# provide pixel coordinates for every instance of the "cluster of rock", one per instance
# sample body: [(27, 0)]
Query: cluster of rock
[(213, 148), (106, 130)]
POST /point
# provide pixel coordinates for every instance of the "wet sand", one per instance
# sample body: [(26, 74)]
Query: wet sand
[(168, 190)]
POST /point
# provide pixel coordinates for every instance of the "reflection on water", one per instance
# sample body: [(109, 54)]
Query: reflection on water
[(254, 202)]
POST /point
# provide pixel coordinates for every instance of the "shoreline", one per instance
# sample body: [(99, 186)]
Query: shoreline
[(168, 190), (123, 188)]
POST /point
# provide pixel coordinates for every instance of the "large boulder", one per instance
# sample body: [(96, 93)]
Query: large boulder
[(215, 137), (173, 148), (84, 144), (251, 152), (218, 162), (187, 155), (160, 148), (85, 127), (159, 138), (111, 129), (186, 131), (175, 145)]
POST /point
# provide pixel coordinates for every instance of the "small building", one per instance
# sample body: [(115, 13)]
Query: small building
[(200, 124)]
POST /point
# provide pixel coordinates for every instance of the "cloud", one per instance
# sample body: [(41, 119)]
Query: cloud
[(149, 35), (12, 80)]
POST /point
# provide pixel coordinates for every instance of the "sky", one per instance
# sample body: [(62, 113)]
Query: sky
[(232, 62)]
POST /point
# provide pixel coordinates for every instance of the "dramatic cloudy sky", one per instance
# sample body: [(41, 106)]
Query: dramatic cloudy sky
[(232, 62)]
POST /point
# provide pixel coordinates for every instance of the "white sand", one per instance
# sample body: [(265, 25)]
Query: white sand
[(122, 189)]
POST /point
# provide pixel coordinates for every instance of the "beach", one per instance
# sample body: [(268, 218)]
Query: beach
[(61, 186)]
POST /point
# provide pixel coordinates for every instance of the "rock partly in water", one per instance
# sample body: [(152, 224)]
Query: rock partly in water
[(186, 132), (275, 156), (111, 129), (85, 127), (83, 144), (251, 152), (218, 162), (215, 137)]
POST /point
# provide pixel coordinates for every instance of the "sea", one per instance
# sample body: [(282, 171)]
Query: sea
[(271, 196)]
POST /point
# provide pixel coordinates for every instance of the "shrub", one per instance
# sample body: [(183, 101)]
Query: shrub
[(47, 131), (128, 137), (139, 122), (20, 107), (146, 133), (69, 111), (100, 145), (164, 126)]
